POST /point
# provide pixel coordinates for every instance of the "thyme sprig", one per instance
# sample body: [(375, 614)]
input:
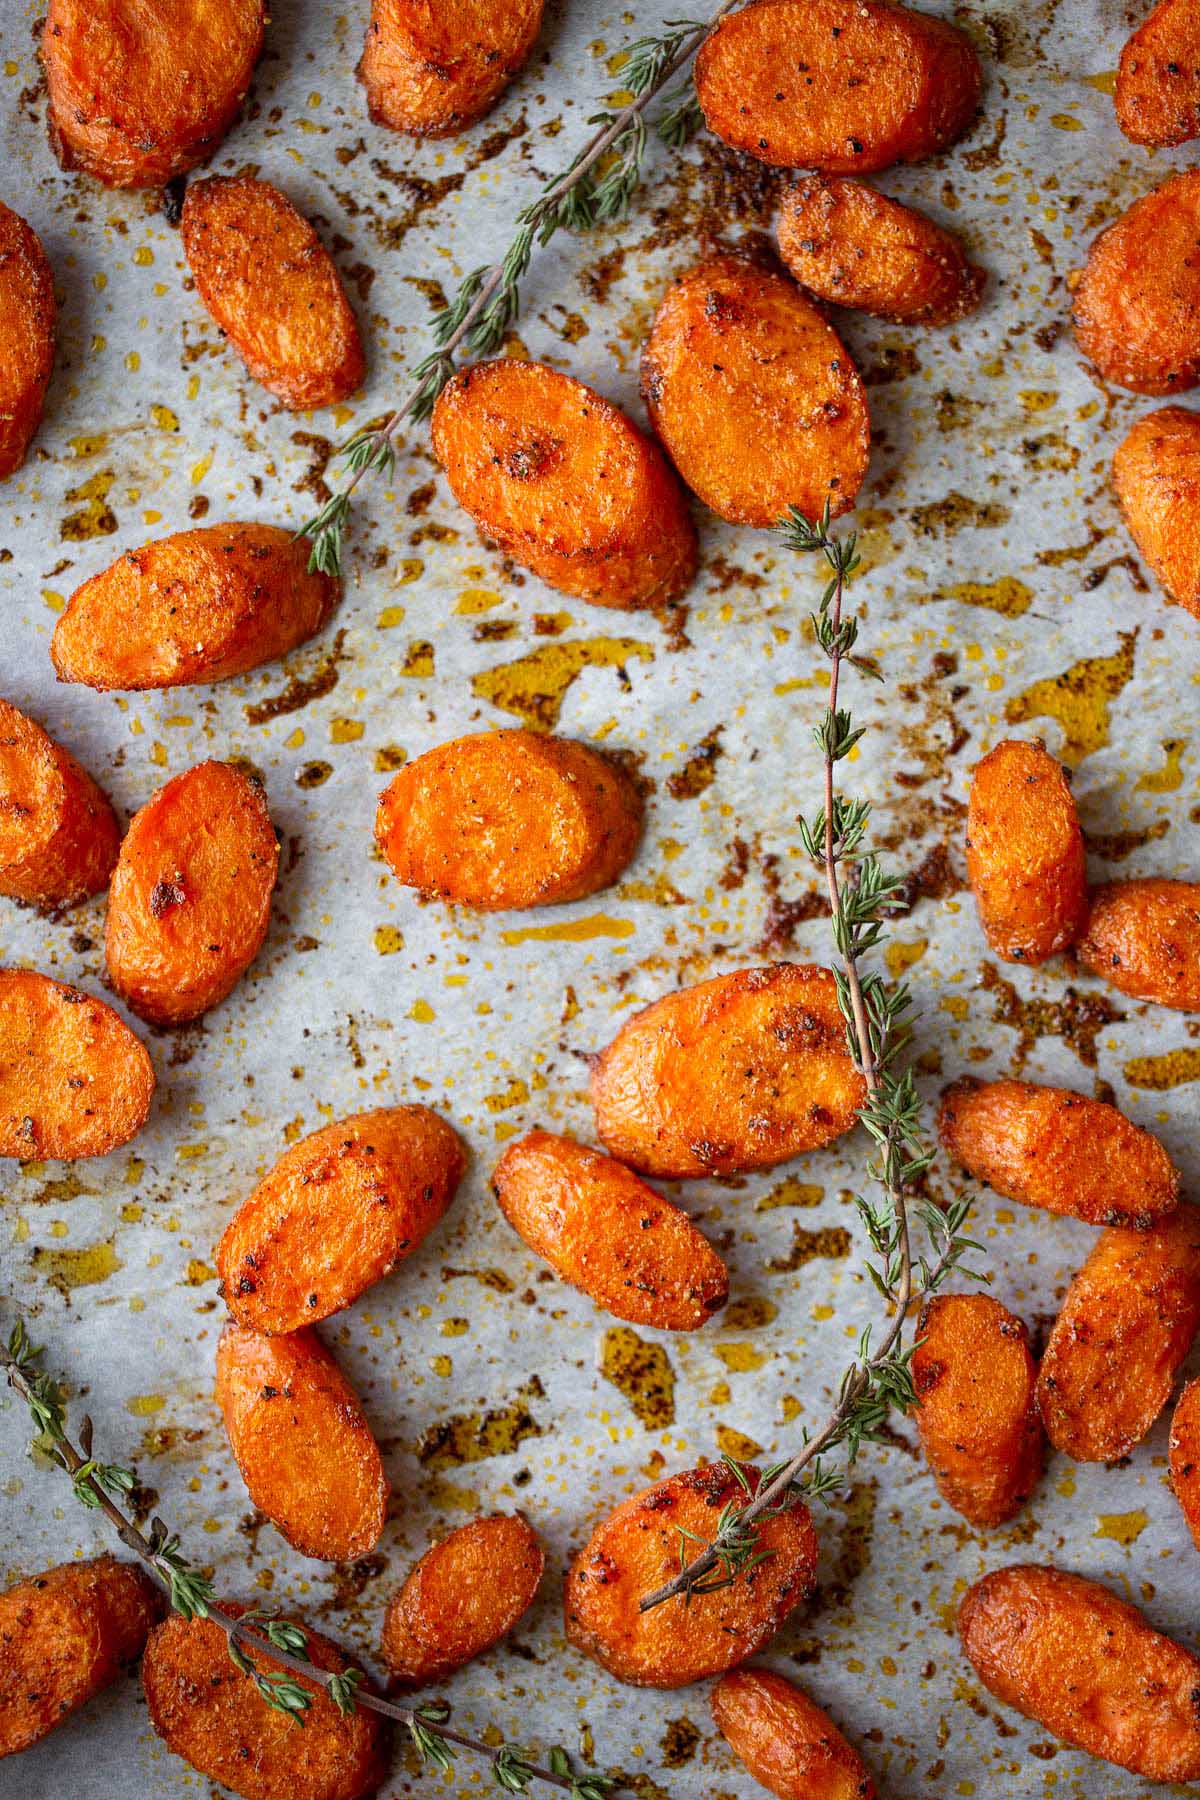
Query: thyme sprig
[(595, 188), (862, 897), (286, 1684)]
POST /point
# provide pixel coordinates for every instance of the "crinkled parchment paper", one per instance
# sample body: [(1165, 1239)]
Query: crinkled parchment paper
[(1000, 590)]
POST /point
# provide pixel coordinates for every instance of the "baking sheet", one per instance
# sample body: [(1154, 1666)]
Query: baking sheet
[(998, 587)]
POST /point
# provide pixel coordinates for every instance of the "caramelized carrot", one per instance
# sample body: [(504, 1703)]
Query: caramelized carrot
[(636, 1549), (301, 1441), (852, 246), (74, 1080), (465, 1594), (1086, 1665), (755, 397), (1065, 1152), (1137, 299), (64, 1636), (603, 1230), (28, 322), (1025, 856), (505, 820), (737, 1073), (848, 86), (213, 1716), (432, 67), (197, 606), (140, 93), (1185, 1456), (273, 288), (565, 483), (191, 897), (1126, 1325), (1158, 81), (337, 1212), (977, 1414), (789, 1745), (58, 833), (1144, 938)]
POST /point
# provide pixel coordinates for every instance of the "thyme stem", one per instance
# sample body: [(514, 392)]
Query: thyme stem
[(859, 901), (488, 301), (191, 1595)]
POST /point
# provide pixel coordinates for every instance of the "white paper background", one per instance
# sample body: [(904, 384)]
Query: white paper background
[(469, 1020)]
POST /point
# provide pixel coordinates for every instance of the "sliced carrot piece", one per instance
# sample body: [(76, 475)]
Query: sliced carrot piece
[(58, 833), (465, 1594), (74, 1080), (432, 67), (1025, 855), (28, 324)]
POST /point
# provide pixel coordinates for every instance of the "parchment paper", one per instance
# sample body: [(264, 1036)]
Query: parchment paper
[(999, 588)]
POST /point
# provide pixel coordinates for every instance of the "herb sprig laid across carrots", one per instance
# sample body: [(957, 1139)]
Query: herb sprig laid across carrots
[(861, 899), (595, 189), (255, 1637)]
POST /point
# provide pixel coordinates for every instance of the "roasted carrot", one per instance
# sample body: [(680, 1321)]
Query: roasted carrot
[(636, 1549), (58, 833), (565, 483), (1137, 299), (64, 1636), (1025, 855), (28, 322), (848, 86), (138, 94), (432, 67), (337, 1212), (603, 1230), (1062, 1151), (754, 395), (213, 1716), (194, 607), (191, 897), (74, 1080), (1156, 472), (301, 1441), (737, 1073), (853, 246), (1185, 1456), (977, 1410), (789, 1745), (273, 288), (1144, 938), (465, 1594), (1158, 81), (1126, 1325), (505, 820), (1086, 1665)]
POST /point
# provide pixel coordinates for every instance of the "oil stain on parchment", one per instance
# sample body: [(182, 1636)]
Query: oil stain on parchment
[(642, 1372), (534, 687), (477, 1436), (1079, 699)]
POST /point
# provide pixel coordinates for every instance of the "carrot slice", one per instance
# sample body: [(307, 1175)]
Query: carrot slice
[(852, 246), (1138, 296), (848, 86), (977, 1415), (1185, 1456), (74, 1080), (1158, 80), (58, 833), (755, 397), (273, 288), (636, 1550), (565, 483), (1126, 1325), (301, 1441), (606, 1232), (506, 820), (337, 1212), (1065, 1152), (138, 94), (789, 1745), (194, 607), (64, 1636), (465, 1594), (190, 901), (1143, 937), (1025, 855), (1088, 1666), (212, 1715), (432, 67), (28, 322)]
